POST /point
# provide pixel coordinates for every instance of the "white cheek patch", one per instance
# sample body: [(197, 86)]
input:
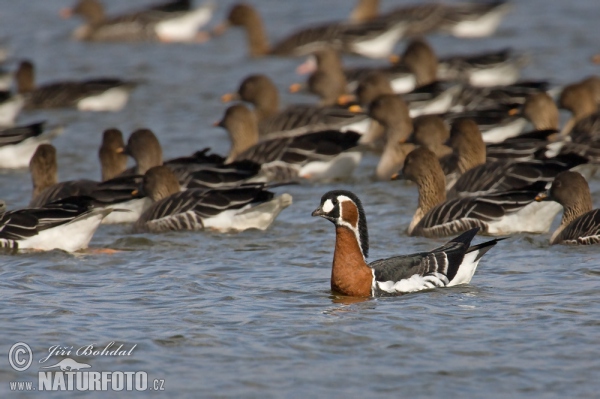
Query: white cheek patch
[(327, 206)]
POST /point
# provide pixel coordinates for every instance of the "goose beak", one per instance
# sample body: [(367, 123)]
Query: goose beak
[(398, 176), (295, 88), (394, 58), (318, 212), (542, 197), (346, 99), (218, 123), (356, 109), (229, 97), (122, 150)]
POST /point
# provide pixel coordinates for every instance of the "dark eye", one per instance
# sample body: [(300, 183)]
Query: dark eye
[(334, 201)]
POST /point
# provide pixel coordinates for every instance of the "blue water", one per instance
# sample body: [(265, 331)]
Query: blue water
[(251, 314)]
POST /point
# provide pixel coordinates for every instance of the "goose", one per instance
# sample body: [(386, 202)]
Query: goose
[(110, 194), (68, 225), (18, 144), (261, 92), (580, 100), (319, 155), (174, 21), (249, 206), (500, 213), (102, 94), (373, 39), (451, 264), (10, 106), (580, 224)]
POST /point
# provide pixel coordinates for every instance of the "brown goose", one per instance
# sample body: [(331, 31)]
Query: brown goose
[(580, 100), (103, 94), (318, 155), (249, 206), (262, 93), (112, 161), (580, 224), (174, 21), (495, 214), (374, 39)]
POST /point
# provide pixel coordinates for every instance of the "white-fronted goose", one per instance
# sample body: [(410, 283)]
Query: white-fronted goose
[(174, 21), (262, 93), (495, 214), (17, 144), (103, 94), (249, 206), (320, 155), (374, 39), (67, 225), (446, 266), (580, 224)]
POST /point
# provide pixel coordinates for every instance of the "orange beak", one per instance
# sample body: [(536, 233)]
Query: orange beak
[(355, 108), (394, 58), (295, 88), (346, 99), (229, 97), (120, 150), (513, 112)]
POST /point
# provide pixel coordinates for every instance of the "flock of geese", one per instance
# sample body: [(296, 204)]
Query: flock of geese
[(453, 126)]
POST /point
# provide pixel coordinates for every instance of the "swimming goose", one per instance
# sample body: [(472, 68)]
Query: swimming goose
[(474, 176), (262, 93), (17, 144), (68, 224), (374, 39), (174, 21), (112, 160), (111, 194), (391, 112), (446, 266), (10, 107), (500, 213), (200, 170), (474, 19), (320, 155), (103, 94), (249, 206), (580, 100), (580, 225)]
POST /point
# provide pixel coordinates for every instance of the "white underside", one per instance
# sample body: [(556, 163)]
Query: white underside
[(111, 100), (361, 127), (438, 105), (184, 28), (18, 155), (6, 79), (404, 84), (133, 210), (501, 75), (501, 133), (380, 46), (250, 217), (536, 217), (9, 110), (69, 237), (466, 270), (340, 167), (414, 283), (481, 27)]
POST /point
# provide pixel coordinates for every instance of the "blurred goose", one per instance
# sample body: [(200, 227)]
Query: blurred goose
[(475, 176), (461, 20), (262, 93), (174, 21), (321, 155), (17, 144), (112, 160), (580, 100), (374, 39), (67, 225), (495, 214), (392, 114), (446, 266), (248, 206), (10, 107), (103, 94), (200, 170), (474, 19), (580, 224), (431, 132), (111, 194)]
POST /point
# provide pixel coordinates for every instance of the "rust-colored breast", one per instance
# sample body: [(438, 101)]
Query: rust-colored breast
[(350, 275)]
